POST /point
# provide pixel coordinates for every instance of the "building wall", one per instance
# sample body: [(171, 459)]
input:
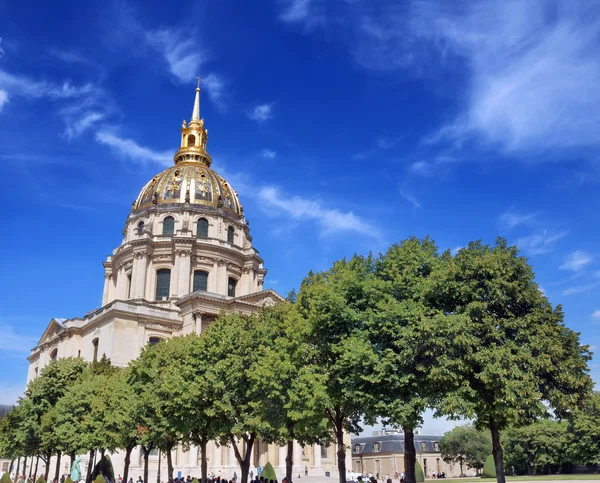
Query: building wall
[(390, 463)]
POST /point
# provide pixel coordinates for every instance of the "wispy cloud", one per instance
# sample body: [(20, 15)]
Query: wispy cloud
[(381, 143), (541, 242), (128, 148), (331, 220), (11, 341), (268, 153), (307, 13), (576, 261), (261, 112), (455, 250), (510, 219), (180, 49), (215, 88), (1, 49), (3, 98), (410, 198), (579, 289), (431, 168), (80, 125), (596, 314)]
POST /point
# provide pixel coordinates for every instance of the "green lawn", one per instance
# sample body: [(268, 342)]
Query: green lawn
[(529, 478)]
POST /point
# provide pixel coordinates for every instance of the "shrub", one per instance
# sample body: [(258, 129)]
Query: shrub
[(40, 479), (489, 468), (195, 480), (419, 475), (5, 478), (100, 479), (269, 473), (68, 480)]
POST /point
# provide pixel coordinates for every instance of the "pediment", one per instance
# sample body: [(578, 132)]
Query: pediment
[(54, 328), (264, 298)]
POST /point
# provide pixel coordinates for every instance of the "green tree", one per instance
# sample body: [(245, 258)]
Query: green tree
[(230, 345), (514, 357), (288, 392), (584, 428), (155, 430), (336, 303), (409, 334), (42, 394), (466, 445), (541, 447)]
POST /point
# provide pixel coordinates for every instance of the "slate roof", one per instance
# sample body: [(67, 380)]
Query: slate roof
[(394, 443)]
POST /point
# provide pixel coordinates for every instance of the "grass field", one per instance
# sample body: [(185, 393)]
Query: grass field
[(530, 478)]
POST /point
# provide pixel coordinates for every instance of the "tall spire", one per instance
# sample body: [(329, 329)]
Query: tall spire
[(196, 112)]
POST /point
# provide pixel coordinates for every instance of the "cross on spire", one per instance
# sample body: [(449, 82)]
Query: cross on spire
[(196, 111), (199, 80)]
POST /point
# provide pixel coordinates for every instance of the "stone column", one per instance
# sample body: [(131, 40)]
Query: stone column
[(193, 456), (107, 281), (138, 278), (282, 455), (218, 456), (135, 457), (174, 285), (298, 463), (221, 277), (231, 461), (213, 284), (121, 284), (317, 456), (271, 453), (184, 272)]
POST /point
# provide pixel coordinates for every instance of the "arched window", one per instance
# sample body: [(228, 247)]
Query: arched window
[(230, 232), (154, 340), (191, 140), (95, 344), (129, 285), (168, 225), (163, 282), (200, 280), (54, 355), (231, 284), (140, 228), (202, 228)]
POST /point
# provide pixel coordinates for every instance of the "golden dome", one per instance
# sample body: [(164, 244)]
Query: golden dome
[(191, 180)]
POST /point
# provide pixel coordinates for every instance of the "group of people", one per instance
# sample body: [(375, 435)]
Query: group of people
[(370, 478)]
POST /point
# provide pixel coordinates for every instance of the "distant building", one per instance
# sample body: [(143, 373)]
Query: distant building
[(383, 454)]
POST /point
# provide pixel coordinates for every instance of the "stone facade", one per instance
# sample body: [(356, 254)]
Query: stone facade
[(186, 256)]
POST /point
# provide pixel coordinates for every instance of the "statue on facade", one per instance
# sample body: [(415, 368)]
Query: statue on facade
[(76, 470)]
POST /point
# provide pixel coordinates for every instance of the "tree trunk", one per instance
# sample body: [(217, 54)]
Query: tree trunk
[(47, 461), (127, 461), (341, 449), (18, 469), (30, 468), (244, 461), (169, 449), (90, 467), (37, 462), (289, 461), (410, 455), (497, 452), (24, 467), (460, 463), (72, 456), (146, 454), (57, 470), (203, 462)]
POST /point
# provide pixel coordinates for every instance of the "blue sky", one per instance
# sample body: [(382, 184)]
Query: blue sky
[(344, 126)]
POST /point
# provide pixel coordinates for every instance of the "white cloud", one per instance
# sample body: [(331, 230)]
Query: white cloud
[(541, 242), (14, 342), (455, 250), (132, 150), (3, 98), (410, 198), (27, 87), (269, 154), (579, 289), (215, 88), (1, 49), (80, 125), (180, 49), (262, 112), (308, 13), (422, 168), (511, 219), (331, 220), (576, 261), (596, 314)]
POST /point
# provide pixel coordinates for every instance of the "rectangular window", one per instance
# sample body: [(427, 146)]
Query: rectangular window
[(163, 282), (324, 452), (231, 287), (95, 343), (378, 466), (200, 281), (5, 466)]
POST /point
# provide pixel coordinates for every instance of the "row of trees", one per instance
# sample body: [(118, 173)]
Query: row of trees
[(544, 447), (470, 335)]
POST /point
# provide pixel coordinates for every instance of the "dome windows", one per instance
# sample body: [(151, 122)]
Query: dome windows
[(200, 281), (231, 286), (230, 234), (202, 228), (168, 225), (140, 228), (163, 283), (191, 140)]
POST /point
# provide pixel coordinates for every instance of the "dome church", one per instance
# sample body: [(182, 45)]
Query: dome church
[(186, 256)]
